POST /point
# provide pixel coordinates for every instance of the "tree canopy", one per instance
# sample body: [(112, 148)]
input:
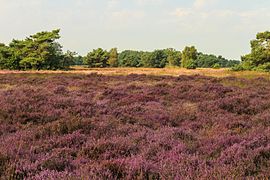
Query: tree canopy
[(98, 58), (113, 58), (212, 61), (157, 59), (259, 57), (189, 56), (260, 50), (129, 58), (38, 51), (173, 57)]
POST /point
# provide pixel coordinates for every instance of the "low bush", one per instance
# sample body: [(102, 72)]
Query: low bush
[(133, 127)]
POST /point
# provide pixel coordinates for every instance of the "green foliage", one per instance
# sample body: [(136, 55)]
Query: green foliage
[(156, 59), (5, 54), (216, 66), (189, 55), (173, 57), (98, 58), (247, 65), (238, 67), (231, 63), (259, 58), (129, 58), (244, 66), (113, 58), (39, 51), (145, 59), (208, 61), (77, 60), (69, 59), (260, 49), (264, 67), (191, 64)]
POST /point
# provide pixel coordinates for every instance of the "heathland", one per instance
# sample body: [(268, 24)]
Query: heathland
[(133, 123), (165, 114)]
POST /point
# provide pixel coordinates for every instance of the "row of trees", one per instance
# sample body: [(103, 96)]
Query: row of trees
[(42, 51), (192, 59), (188, 58), (129, 58)]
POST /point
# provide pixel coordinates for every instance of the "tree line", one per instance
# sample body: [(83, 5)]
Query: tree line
[(188, 58), (42, 51)]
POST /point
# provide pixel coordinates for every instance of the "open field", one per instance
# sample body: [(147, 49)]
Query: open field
[(79, 125), (151, 71)]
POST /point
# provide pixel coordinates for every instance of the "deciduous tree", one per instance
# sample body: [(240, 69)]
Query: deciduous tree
[(113, 58), (189, 56)]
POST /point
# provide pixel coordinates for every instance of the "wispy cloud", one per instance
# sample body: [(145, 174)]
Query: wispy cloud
[(128, 14), (143, 2), (203, 3), (112, 3), (181, 12)]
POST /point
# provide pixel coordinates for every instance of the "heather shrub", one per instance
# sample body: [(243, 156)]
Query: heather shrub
[(238, 105), (261, 162), (4, 160), (133, 127), (56, 164), (69, 126)]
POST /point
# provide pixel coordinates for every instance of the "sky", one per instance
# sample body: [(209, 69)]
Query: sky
[(221, 27)]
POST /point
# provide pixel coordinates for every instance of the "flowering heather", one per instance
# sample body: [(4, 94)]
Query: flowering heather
[(68, 126)]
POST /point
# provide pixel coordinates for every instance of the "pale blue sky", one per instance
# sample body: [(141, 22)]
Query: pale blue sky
[(222, 27)]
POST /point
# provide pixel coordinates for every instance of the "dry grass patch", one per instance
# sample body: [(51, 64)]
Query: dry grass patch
[(6, 86), (73, 88), (190, 107), (223, 72), (237, 83)]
